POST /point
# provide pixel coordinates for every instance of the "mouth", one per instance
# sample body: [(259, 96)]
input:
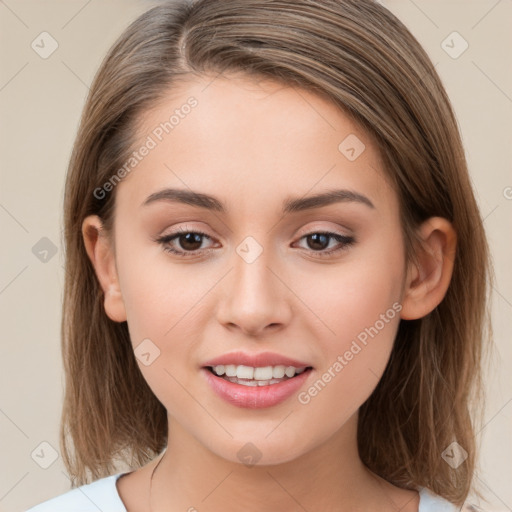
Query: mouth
[(257, 376), (255, 387)]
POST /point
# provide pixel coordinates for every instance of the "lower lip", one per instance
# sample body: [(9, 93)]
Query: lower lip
[(255, 397)]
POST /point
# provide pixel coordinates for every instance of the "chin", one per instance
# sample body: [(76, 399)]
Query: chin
[(259, 450)]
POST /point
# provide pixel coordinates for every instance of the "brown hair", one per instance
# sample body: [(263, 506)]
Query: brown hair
[(361, 57)]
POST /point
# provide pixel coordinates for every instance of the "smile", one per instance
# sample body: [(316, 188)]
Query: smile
[(256, 376), (259, 391)]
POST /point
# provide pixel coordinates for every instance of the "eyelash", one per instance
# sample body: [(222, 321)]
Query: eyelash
[(346, 241)]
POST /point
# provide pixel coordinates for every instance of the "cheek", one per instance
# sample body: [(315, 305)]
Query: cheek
[(160, 297), (351, 295), (358, 303), (163, 305)]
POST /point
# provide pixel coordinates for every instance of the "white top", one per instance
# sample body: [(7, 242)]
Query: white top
[(102, 495)]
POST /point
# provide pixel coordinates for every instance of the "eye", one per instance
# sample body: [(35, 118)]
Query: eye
[(188, 242), (320, 240)]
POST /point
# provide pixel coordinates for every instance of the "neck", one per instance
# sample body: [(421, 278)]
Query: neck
[(329, 477)]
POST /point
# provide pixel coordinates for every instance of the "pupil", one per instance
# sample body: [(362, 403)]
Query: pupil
[(191, 238), (320, 239)]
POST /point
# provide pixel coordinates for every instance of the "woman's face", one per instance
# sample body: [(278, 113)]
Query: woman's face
[(263, 283)]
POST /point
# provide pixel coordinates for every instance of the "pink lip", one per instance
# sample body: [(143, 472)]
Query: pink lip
[(255, 397), (261, 359)]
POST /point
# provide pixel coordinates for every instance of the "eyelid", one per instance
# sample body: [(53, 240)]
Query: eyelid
[(166, 239), (186, 229), (319, 227)]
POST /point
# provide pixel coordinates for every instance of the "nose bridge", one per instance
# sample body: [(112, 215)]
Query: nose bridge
[(254, 297), (252, 276)]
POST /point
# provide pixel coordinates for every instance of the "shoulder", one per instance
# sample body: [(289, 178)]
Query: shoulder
[(430, 502), (99, 495)]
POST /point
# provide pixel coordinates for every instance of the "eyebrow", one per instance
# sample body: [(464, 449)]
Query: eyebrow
[(289, 206)]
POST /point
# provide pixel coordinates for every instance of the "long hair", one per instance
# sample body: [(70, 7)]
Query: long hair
[(358, 55)]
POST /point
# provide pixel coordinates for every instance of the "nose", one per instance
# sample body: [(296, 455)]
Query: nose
[(254, 298)]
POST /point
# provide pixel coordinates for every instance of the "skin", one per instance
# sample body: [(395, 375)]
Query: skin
[(253, 145)]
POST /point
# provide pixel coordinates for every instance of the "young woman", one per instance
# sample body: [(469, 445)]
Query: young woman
[(277, 273)]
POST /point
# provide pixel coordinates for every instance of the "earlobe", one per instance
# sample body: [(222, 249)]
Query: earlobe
[(429, 277), (100, 250)]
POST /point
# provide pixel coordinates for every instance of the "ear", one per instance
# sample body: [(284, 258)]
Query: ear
[(100, 250), (428, 279)]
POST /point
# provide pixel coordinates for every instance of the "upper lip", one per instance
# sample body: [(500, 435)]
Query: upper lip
[(260, 359)]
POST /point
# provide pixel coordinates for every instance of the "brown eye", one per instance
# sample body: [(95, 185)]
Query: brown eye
[(184, 243), (190, 241), (318, 242)]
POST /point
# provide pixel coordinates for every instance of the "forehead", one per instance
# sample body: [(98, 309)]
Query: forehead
[(251, 141)]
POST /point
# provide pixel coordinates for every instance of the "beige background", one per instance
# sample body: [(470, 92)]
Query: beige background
[(40, 105)]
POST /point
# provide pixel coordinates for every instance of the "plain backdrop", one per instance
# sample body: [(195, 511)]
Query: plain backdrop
[(40, 105)]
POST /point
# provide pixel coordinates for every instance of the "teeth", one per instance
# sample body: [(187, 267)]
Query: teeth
[(278, 372), (263, 373), (246, 382), (290, 371), (230, 370), (244, 372), (260, 375), (254, 383)]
